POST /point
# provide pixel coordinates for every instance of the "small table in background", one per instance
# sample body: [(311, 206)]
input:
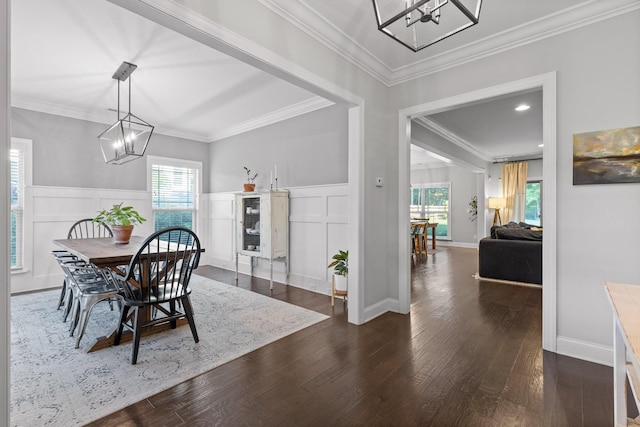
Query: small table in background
[(432, 226)]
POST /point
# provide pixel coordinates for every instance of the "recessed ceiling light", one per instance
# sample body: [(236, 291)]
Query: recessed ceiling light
[(522, 107), (540, 145)]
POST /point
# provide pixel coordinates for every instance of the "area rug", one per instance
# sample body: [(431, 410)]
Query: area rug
[(54, 384)]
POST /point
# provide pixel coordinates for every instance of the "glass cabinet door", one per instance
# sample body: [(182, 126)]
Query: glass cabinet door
[(251, 223)]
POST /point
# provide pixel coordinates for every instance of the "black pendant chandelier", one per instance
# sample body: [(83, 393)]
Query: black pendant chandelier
[(417, 24), (126, 139)]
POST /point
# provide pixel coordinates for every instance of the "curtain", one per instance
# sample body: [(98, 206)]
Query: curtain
[(514, 187)]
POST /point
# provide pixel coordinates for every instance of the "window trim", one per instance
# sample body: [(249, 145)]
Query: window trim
[(180, 163), (436, 185), (26, 145)]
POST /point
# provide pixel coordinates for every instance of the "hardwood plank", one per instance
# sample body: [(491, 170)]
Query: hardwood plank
[(469, 354)]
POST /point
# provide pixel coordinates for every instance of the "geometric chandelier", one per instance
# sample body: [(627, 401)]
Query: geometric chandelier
[(416, 23), (126, 139)]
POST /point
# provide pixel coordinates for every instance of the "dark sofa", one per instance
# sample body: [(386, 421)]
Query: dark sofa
[(513, 252)]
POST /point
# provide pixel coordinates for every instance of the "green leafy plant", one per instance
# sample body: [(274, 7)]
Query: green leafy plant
[(250, 179), (119, 215), (340, 263)]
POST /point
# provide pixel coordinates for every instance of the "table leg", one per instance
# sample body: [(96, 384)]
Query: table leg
[(433, 239), (619, 377)]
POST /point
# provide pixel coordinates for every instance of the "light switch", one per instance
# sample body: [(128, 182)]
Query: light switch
[(379, 181)]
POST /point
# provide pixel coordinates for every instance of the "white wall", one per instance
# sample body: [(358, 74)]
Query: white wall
[(463, 187), (51, 211), (597, 86), (317, 229)]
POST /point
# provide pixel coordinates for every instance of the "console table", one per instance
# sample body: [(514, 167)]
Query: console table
[(625, 301)]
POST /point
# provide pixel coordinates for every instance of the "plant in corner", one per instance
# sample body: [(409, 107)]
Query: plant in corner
[(121, 220), (250, 185), (340, 266)]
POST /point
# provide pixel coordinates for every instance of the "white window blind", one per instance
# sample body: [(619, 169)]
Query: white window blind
[(16, 157), (174, 196)]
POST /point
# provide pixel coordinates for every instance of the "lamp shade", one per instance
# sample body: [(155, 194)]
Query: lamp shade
[(497, 202)]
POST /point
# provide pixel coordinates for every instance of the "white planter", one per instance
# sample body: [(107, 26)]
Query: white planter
[(340, 282)]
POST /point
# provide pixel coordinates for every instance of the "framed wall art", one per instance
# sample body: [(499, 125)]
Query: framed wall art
[(607, 156)]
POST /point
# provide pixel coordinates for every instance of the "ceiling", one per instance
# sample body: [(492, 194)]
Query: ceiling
[(64, 53)]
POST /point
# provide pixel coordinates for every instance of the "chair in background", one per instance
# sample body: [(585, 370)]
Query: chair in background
[(419, 239), (87, 229), (83, 229), (156, 279)]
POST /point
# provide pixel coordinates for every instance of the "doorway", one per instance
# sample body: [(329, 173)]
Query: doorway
[(545, 82)]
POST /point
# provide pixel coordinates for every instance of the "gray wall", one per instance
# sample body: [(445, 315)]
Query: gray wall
[(310, 149), (66, 153), (463, 188), (597, 88)]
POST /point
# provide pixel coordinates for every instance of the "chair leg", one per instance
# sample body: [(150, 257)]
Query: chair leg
[(137, 331), (62, 294), (188, 311), (172, 309), (124, 311), (68, 304), (85, 312)]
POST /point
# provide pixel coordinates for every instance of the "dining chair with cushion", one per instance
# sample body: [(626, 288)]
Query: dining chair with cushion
[(156, 282), (418, 237)]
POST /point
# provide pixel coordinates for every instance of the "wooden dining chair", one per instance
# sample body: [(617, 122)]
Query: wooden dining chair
[(418, 236), (156, 282)]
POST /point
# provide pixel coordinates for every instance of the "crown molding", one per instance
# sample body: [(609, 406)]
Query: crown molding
[(586, 13), (566, 20), (301, 15), (306, 106), (106, 118), (439, 130)]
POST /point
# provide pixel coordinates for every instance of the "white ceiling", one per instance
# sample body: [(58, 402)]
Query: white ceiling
[(65, 51)]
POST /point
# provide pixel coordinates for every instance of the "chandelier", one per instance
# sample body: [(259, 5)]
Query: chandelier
[(126, 139), (417, 23)]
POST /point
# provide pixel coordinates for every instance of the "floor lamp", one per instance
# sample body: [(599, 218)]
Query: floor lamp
[(497, 203)]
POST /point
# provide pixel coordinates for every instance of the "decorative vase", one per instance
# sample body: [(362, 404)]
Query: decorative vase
[(340, 282), (249, 188), (121, 234)]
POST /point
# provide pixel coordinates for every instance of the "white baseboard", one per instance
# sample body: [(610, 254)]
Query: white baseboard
[(449, 243), (381, 308), (585, 350)]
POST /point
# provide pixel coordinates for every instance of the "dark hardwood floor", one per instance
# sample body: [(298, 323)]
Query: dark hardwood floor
[(469, 354)]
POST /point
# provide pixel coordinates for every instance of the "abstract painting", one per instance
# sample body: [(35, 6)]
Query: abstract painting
[(606, 157)]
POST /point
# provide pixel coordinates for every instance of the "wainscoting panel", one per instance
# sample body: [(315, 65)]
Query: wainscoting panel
[(317, 218), (49, 214), (317, 226)]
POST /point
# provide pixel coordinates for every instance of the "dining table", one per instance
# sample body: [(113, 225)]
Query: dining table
[(427, 225), (104, 253)]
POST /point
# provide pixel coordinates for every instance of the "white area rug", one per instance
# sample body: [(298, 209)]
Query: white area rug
[(54, 384)]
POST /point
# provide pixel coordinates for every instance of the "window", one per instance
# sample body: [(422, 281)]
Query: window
[(533, 203), (20, 177), (175, 187), (432, 201)]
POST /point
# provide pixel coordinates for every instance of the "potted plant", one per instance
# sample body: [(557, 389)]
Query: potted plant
[(121, 220), (250, 185), (340, 266)]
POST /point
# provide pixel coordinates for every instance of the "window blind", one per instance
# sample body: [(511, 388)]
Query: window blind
[(174, 196), (16, 158)]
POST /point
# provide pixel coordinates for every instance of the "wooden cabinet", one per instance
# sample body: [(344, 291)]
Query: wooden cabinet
[(262, 228)]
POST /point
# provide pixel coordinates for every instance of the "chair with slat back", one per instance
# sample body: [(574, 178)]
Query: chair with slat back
[(87, 229), (156, 279)]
